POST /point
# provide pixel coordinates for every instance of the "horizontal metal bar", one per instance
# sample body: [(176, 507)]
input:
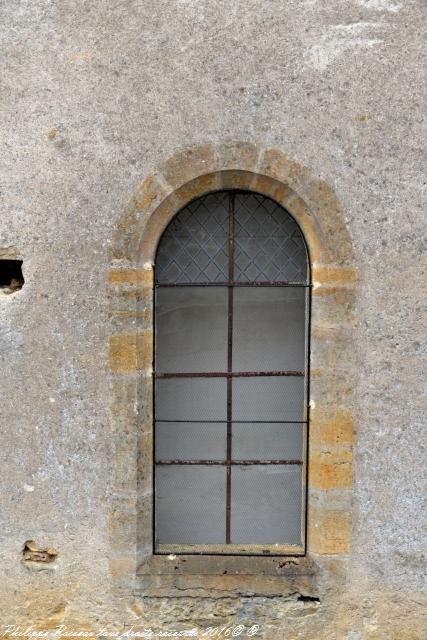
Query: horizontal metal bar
[(233, 374), (235, 283), (225, 463), (202, 421)]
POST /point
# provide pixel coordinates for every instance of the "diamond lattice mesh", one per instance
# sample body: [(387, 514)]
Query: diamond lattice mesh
[(269, 244), (194, 247)]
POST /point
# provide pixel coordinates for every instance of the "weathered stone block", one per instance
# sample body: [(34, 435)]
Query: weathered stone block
[(236, 155), (329, 531), (129, 353), (124, 566), (331, 430), (330, 275), (196, 188), (322, 200), (278, 165), (333, 305), (235, 179), (147, 197), (274, 189), (123, 527), (188, 164), (143, 277), (330, 469)]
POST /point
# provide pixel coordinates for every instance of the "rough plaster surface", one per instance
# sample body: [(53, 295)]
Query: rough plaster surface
[(94, 95)]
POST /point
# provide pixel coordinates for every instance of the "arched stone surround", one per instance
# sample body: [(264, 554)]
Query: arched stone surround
[(187, 175)]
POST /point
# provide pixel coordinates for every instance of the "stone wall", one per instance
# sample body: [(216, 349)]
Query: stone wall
[(114, 116)]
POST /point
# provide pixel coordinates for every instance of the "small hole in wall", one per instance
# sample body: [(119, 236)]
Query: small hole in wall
[(302, 598), (11, 278), (32, 552)]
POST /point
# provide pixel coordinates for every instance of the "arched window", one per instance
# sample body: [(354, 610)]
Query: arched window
[(230, 378)]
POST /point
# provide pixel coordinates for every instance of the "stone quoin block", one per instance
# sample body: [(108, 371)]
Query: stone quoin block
[(129, 353)]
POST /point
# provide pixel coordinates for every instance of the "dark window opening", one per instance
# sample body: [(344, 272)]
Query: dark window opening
[(11, 278), (230, 378)]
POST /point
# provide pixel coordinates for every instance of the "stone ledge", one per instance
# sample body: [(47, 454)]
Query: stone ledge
[(236, 565)]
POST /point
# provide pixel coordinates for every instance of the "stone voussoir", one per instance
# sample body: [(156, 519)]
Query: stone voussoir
[(188, 164), (242, 156)]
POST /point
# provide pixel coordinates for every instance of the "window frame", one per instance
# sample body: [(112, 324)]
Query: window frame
[(187, 174), (187, 551)]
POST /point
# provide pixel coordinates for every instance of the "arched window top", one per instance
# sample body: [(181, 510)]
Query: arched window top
[(265, 242)]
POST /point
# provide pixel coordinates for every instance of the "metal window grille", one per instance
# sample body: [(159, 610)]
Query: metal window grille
[(232, 298)]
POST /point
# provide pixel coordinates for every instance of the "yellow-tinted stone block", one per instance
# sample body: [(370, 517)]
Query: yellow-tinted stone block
[(273, 188), (336, 429), (188, 164), (333, 305), (149, 193), (147, 197), (338, 295), (196, 189), (129, 353), (330, 470), (235, 179), (131, 276), (278, 165), (328, 531), (323, 274)]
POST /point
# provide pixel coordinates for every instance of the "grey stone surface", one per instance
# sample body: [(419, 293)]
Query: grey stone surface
[(94, 96)]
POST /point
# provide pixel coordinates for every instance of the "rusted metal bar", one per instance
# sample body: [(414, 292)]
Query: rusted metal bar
[(251, 374), (229, 365), (230, 374), (207, 463), (233, 283), (203, 421), (268, 283)]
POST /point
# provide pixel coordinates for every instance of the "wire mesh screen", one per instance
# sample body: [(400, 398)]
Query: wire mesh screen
[(266, 504), (182, 316), (188, 496), (194, 247), (259, 317), (191, 440), (230, 377), (269, 243)]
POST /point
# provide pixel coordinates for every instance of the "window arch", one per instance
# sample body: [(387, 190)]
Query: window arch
[(230, 378)]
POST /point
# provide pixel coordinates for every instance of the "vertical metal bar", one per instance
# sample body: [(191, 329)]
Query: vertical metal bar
[(229, 362), (153, 405), (306, 458)]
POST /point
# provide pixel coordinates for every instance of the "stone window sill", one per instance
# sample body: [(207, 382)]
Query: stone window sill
[(190, 575)]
